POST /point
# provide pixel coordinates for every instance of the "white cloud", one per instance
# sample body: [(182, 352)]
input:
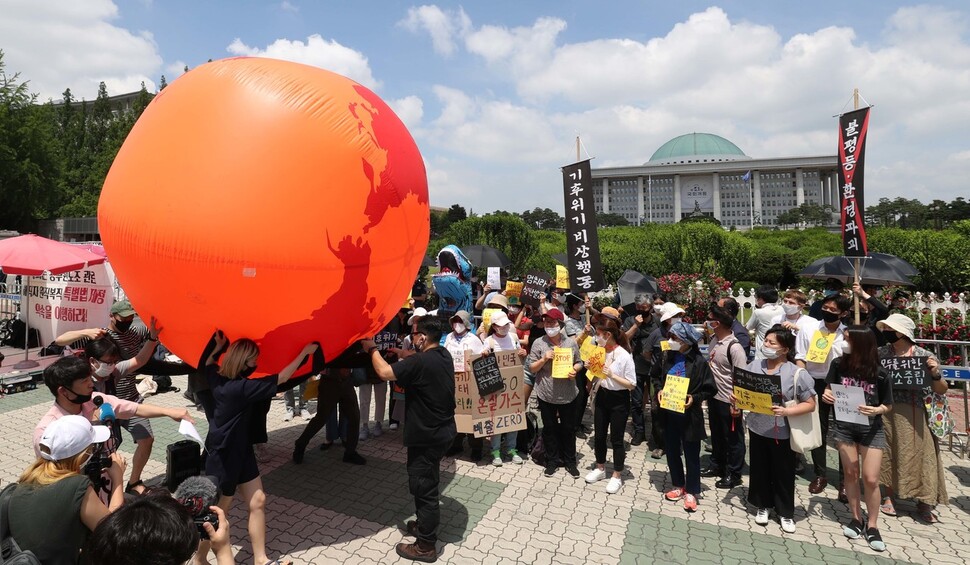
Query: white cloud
[(288, 6), (410, 109), (316, 51), (75, 45), (443, 26)]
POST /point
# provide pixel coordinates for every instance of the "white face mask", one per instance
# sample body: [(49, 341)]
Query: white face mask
[(770, 352), (602, 340), (552, 332), (104, 369), (458, 327), (674, 345), (657, 308), (846, 348), (791, 309), (501, 331)]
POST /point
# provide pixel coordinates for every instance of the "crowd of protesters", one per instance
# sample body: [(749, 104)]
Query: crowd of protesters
[(647, 343)]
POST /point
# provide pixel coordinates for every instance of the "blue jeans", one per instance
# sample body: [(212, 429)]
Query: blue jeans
[(673, 432), (510, 439)]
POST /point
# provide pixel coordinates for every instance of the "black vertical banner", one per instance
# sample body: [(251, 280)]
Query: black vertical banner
[(853, 127), (582, 241)]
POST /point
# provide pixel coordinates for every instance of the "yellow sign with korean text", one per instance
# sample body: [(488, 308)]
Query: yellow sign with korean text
[(820, 346), (757, 402), (513, 288), (596, 363), (562, 277), (562, 362), (673, 397), (487, 317)]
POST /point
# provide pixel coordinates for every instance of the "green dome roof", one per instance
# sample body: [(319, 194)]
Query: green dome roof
[(697, 147)]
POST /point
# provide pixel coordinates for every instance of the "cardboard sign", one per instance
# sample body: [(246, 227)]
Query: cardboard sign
[(562, 277), (500, 412), (487, 375), (673, 397), (820, 346), (562, 362), (465, 395), (513, 289), (460, 357), (70, 301), (907, 373), (493, 278), (757, 392), (847, 402), (534, 289), (507, 358)]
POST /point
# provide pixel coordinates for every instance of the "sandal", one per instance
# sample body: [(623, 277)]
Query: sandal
[(887, 507), (130, 489), (925, 513)]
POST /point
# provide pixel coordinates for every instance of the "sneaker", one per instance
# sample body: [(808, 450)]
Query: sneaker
[(875, 540), (788, 525), (853, 530), (497, 458), (516, 459), (377, 431), (392, 426), (657, 453), (761, 518), (289, 415), (637, 438), (690, 503), (363, 432), (595, 475), (614, 485), (354, 458), (674, 494), (551, 470), (573, 471)]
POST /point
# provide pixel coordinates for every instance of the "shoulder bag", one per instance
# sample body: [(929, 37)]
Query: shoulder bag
[(805, 430)]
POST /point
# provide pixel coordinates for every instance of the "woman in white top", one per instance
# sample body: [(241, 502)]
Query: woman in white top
[(612, 405), (501, 337)]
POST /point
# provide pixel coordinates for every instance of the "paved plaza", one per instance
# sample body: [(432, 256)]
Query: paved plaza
[(326, 511)]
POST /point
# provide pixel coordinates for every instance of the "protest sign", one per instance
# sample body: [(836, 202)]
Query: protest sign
[(459, 356), (534, 289), (820, 346), (494, 278), (907, 372), (487, 317), (596, 363), (487, 375), (853, 127), (673, 397), (513, 289), (847, 402), (502, 411), (75, 300), (562, 362), (582, 240), (756, 392), (562, 277), (464, 401), (385, 340)]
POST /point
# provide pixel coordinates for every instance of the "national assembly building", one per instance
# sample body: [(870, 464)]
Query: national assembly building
[(705, 174)]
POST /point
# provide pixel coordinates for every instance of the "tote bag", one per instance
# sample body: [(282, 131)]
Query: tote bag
[(805, 430)]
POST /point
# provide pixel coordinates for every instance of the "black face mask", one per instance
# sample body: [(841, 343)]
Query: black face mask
[(245, 373), (79, 398), (122, 327), (890, 335), (830, 317)]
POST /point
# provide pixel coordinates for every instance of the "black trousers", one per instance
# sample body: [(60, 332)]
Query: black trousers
[(559, 432), (612, 410), (657, 438), (424, 476), (334, 389), (582, 399), (771, 483), (727, 439), (165, 368), (636, 397)]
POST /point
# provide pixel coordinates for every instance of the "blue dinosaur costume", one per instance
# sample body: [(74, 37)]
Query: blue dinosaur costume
[(453, 284)]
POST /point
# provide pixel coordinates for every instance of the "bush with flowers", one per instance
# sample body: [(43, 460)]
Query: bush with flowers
[(694, 292)]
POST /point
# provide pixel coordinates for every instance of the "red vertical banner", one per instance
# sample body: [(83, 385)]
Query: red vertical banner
[(853, 127)]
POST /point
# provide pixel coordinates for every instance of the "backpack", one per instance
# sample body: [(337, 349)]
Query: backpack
[(537, 449), (10, 552)]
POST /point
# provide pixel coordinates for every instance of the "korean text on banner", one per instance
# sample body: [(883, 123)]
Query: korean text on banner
[(673, 397), (907, 372), (596, 360), (494, 278), (756, 392), (853, 129), (502, 411), (820, 346), (562, 362), (513, 288), (848, 399), (70, 301), (562, 277), (534, 290), (582, 241)]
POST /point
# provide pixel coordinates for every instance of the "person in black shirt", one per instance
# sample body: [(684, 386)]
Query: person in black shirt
[(232, 460), (429, 427)]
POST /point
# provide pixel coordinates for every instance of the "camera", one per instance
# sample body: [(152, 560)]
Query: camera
[(99, 462), (209, 517)]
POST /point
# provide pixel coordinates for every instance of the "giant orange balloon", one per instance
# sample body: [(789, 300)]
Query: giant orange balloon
[(274, 200)]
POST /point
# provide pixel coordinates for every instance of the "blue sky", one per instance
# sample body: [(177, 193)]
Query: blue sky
[(495, 92)]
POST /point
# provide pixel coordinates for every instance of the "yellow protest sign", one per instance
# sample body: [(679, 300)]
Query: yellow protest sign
[(562, 277), (597, 362), (673, 397), (487, 317), (513, 288), (562, 362), (586, 349), (409, 303), (664, 345), (757, 402), (819, 347)]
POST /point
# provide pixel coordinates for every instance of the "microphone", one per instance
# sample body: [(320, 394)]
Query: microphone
[(107, 412), (197, 494)]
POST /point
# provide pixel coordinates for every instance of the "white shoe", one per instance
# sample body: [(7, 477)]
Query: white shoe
[(788, 525), (393, 426), (614, 485), (363, 433), (289, 415), (497, 461), (761, 518), (304, 415), (377, 431), (595, 475), (516, 459)]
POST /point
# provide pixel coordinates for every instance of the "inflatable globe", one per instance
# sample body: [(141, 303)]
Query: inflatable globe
[(273, 200)]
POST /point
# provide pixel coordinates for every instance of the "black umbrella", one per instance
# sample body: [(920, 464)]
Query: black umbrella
[(872, 270), (633, 283), (485, 256), (560, 258), (901, 265), (429, 262)]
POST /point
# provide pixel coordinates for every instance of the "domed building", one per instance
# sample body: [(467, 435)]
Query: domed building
[(705, 172)]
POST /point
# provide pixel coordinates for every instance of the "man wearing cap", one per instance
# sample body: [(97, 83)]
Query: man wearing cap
[(638, 329), (556, 397), (460, 340)]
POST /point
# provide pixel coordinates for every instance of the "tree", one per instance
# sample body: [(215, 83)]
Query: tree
[(610, 220), (506, 232), (162, 84), (543, 219)]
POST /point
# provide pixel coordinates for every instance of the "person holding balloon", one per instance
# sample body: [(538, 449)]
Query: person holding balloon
[(232, 459)]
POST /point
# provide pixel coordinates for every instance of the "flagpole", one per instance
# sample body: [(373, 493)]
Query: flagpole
[(855, 106)]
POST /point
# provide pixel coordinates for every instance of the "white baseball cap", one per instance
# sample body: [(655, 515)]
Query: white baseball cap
[(419, 312), (500, 319), (67, 436), (670, 310)]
